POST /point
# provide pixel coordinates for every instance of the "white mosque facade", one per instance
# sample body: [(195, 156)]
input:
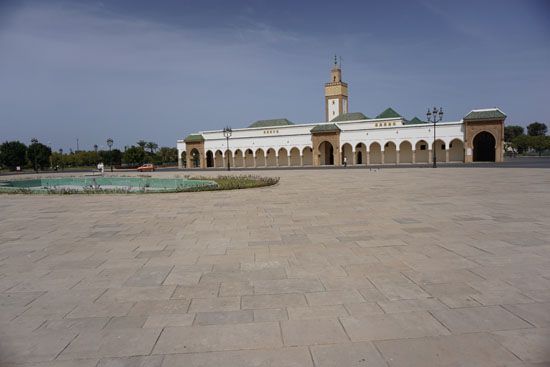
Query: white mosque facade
[(350, 138)]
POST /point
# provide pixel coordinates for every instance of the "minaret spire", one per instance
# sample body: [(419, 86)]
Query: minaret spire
[(336, 93)]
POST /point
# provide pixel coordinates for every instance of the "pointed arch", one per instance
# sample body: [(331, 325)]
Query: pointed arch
[(405, 152), (307, 156), (484, 144), (282, 157), (375, 153), (440, 150), (360, 154), (195, 158), (347, 152), (209, 159), (295, 159), (271, 158), (456, 151), (326, 152), (218, 159), (421, 152), (390, 152), (248, 158), (260, 158), (238, 158)]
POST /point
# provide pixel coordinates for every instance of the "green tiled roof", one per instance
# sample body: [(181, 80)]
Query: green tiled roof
[(415, 120), (488, 114), (273, 122), (194, 138), (388, 113), (325, 128), (351, 116)]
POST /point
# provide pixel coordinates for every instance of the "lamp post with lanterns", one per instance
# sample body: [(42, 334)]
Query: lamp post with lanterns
[(434, 116), (110, 144), (227, 132)]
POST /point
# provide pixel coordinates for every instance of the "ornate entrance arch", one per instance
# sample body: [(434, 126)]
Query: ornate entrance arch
[(326, 151), (484, 147), (195, 157)]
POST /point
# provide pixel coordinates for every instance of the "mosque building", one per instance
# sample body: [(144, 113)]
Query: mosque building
[(348, 137)]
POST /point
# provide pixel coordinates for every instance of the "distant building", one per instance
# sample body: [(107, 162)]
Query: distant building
[(389, 138)]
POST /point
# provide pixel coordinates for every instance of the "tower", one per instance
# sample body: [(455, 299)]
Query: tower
[(336, 93)]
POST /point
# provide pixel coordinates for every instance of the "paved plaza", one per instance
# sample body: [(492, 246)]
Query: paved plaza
[(400, 267)]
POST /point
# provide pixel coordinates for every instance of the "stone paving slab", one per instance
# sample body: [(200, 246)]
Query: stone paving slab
[(118, 342), (453, 350), (349, 355), (472, 319), (401, 267), (213, 338), (286, 357), (393, 326)]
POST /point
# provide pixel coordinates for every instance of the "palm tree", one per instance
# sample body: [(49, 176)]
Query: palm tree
[(151, 146), (142, 144)]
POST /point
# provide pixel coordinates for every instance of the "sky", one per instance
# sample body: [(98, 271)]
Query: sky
[(160, 70)]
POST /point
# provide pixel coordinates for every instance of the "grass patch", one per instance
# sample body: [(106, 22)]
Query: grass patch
[(234, 182)]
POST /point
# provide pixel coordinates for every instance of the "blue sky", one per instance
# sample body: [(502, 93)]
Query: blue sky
[(159, 70)]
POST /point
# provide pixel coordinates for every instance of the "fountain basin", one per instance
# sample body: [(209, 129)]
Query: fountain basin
[(68, 185)]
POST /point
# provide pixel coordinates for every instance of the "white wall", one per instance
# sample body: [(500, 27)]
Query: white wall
[(352, 132), (367, 135)]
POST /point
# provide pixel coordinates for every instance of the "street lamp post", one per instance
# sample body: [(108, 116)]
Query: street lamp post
[(61, 157), (110, 144), (227, 132), (434, 116)]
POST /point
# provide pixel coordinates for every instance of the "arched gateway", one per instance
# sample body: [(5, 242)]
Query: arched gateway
[(484, 147), (326, 151)]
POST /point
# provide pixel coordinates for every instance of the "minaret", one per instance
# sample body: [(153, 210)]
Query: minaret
[(336, 93)]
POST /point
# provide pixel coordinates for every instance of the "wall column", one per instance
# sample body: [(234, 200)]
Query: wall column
[(430, 156), (337, 156), (414, 156), (397, 157), (301, 160), (468, 155), (446, 155), (367, 158), (382, 157), (180, 162)]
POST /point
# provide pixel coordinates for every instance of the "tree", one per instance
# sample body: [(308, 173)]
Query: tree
[(13, 154), (539, 143), (536, 129), (168, 155), (521, 143), (111, 156), (511, 132), (39, 155), (134, 155), (151, 146), (116, 155), (142, 144), (56, 159)]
